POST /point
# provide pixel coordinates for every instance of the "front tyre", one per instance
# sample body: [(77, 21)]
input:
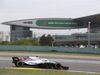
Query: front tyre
[(58, 66), (19, 64)]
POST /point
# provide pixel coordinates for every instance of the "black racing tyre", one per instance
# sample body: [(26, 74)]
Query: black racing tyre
[(58, 66), (19, 64)]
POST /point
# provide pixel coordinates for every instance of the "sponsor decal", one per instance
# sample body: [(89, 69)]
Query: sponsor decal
[(59, 23), (28, 22), (44, 22)]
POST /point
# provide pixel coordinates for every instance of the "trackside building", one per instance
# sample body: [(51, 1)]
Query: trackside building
[(21, 28)]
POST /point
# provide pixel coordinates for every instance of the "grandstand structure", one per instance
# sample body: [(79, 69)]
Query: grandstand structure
[(21, 28), (77, 39)]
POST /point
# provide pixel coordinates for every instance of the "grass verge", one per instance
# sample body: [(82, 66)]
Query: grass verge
[(39, 72), (52, 53)]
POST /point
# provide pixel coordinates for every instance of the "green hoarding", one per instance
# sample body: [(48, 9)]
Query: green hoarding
[(59, 23)]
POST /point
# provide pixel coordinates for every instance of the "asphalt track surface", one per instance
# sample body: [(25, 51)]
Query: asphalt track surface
[(83, 65)]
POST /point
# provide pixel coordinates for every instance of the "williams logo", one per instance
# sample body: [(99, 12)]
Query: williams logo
[(45, 23)]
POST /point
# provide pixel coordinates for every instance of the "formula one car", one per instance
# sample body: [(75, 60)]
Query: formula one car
[(37, 62)]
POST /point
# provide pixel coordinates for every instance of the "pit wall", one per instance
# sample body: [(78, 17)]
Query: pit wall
[(49, 49)]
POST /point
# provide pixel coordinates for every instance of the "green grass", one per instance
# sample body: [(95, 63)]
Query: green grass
[(39, 72), (52, 53)]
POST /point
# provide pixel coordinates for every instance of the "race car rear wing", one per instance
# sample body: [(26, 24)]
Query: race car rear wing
[(15, 59)]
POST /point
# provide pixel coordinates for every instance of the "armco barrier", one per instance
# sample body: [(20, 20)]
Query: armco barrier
[(48, 49)]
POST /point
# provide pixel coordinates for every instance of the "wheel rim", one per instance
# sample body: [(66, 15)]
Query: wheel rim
[(20, 64), (58, 66)]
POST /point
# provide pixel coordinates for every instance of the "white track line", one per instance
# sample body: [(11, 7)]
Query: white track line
[(83, 72)]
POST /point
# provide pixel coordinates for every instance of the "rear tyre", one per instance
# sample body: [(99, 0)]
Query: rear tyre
[(19, 64)]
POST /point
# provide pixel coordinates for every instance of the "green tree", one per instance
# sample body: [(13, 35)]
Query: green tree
[(43, 40), (49, 40), (46, 40)]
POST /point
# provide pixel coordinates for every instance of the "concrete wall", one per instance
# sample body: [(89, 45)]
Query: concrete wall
[(48, 49)]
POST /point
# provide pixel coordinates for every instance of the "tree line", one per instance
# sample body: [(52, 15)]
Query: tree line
[(21, 42), (44, 41)]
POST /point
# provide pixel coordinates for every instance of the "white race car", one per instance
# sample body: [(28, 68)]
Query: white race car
[(37, 62)]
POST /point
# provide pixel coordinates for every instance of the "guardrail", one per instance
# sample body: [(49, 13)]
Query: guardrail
[(48, 49)]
